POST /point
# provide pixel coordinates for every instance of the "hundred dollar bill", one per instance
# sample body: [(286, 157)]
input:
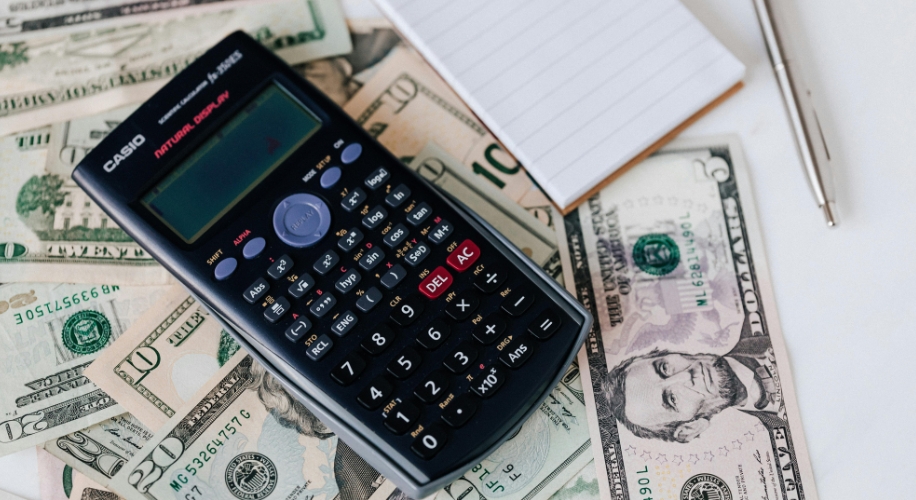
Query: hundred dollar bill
[(52, 79), (243, 436), (688, 383), (52, 231), (165, 357), (521, 228), (99, 451), (27, 19), (48, 335), (549, 449), (405, 105)]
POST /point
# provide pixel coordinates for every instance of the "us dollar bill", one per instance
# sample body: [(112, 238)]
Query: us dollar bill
[(243, 436), (52, 231), (48, 80), (101, 450), (48, 336), (405, 105), (688, 384), (582, 486), (58, 481), (551, 447), (531, 236), (165, 357)]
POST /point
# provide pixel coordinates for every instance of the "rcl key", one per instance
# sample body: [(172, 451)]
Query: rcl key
[(489, 381)]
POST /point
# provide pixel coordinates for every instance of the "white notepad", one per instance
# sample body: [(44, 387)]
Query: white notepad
[(575, 89)]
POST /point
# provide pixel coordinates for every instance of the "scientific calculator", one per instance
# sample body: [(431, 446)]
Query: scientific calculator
[(402, 320)]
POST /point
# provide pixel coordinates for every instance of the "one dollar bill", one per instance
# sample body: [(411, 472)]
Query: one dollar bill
[(688, 383), (48, 336)]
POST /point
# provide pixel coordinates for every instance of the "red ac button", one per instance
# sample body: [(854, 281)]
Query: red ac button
[(437, 282), (463, 256)]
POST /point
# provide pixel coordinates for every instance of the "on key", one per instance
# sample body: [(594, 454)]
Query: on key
[(407, 311)]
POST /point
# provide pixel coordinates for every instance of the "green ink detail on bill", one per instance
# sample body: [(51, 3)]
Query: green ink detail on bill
[(67, 480), (656, 254), (86, 332), (227, 347)]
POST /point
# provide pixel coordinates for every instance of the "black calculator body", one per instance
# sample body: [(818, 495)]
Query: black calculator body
[(411, 328)]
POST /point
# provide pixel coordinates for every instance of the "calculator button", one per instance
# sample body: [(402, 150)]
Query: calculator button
[(407, 311), (322, 304), (441, 232), (394, 276), (462, 306), (375, 394), (375, 217), (330, 177), (276, 310), (353, 199), (377, 178), (417, 254), (319, 348), (253, 248), (301, 220), (464, 256), (349, 369), (489, 280), (459, 360), (490, 329), (396, 236), (351, 153), (256, 290), (429, 442), (545, 324), (372, 258), (348, 241), (432, 388), (326, 262), (436, 283), (280, 267), (419, 214), (405, 364), (517, 303), (303, 284), (402, 417), (225, 268), (517, 352), (369, 300), (349, 280), (434, 334), (397, 196), (344, 323), (459, 411), (377, 340), (488, 381), (298, 329)]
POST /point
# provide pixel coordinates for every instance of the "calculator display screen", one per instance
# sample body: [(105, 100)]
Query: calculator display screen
[(228, 165)]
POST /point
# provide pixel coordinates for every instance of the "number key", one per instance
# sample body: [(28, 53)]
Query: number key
[(349, 370), (405, 364), (432, 388), (407, 311), (401, 417), (375, 394), (434, 334), (429, 442), (461, 359), (377, 341)]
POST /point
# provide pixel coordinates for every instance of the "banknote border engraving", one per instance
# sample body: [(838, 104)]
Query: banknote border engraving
[(781, 443)]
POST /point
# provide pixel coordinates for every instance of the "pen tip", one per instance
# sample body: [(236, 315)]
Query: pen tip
[(829, 209)]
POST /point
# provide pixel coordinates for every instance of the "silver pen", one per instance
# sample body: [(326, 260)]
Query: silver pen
[(807, 130)]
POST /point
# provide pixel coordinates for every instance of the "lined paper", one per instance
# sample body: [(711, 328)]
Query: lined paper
[(577, 88)]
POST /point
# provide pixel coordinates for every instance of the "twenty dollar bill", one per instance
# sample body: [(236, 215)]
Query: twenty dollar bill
[(688, 382)]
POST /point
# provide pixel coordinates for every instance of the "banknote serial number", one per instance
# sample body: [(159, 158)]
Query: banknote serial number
[(494, 485), (692, 261), (644, 483), (51, 307), (211, 448)]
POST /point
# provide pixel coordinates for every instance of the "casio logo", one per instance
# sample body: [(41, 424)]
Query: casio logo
[(126, 151)]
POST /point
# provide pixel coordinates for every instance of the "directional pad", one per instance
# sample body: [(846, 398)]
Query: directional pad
[(301, 220)]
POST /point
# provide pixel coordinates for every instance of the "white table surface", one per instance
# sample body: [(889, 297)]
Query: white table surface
[(842, 294)]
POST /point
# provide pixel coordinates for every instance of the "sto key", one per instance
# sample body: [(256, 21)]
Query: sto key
[(437, 282)]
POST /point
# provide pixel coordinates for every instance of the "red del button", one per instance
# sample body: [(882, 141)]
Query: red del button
[(437, 282), (463, 256)]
